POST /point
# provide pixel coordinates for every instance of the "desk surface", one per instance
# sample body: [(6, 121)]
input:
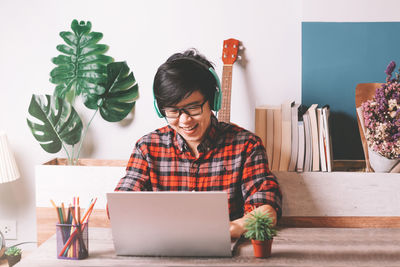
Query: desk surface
[(292, 247)]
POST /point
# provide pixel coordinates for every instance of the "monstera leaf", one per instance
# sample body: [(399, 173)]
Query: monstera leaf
[(82, 66), (121, 92), (55, 122)]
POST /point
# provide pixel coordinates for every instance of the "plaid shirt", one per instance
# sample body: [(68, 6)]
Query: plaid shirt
[(231, 159)]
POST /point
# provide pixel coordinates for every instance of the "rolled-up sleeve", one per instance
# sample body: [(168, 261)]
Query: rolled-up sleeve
[(259, 185)]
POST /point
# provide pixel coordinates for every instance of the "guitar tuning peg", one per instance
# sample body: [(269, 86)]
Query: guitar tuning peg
[(239, 57), (241, 47)]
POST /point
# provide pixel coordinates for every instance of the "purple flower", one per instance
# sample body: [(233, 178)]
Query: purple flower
[(382, 117), (390, 68)]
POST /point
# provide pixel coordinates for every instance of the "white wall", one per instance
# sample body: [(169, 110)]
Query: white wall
[(145, 33), (351, 10)]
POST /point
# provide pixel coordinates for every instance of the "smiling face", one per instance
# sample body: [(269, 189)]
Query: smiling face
[(192, 128)]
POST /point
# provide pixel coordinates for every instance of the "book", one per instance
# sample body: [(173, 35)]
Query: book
[(276, 153), (286, 139), (264, 128), (308, 143), (260, 124), (270, 135), (328, 138), (302, 109), (295, 137), (322, 140), (314, 137), (301, 147)]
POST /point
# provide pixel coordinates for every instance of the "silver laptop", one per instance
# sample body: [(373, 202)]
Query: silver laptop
[(170, 223)]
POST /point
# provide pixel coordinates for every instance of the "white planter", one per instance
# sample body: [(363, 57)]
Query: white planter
[(340, 193), (61, 183), (379, 163)]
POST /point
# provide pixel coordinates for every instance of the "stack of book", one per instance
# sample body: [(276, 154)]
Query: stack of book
[(296, 137)]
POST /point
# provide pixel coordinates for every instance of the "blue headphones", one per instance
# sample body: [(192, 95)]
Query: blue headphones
[(218, 93)]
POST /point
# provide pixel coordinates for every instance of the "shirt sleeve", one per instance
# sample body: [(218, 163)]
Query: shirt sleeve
[(137, 173), (259, 185)]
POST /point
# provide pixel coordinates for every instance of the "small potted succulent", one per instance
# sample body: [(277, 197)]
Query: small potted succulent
[(13, 255), (261, 231)]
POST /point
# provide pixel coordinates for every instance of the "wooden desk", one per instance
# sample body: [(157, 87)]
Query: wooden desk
[(292, 247)]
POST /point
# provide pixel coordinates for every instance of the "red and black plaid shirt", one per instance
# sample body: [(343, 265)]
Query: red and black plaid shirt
[(231, 159)]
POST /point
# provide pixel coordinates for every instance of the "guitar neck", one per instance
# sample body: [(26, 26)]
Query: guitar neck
[(224, 114)]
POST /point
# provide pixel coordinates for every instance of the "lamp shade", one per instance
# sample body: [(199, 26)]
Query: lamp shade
[(8, 167)]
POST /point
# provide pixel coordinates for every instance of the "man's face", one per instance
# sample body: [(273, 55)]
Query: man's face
[(192, 128)]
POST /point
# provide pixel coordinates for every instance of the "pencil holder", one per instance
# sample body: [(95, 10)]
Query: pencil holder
[(72, 241)]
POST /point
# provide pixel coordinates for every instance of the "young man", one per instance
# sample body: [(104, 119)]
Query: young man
[(195, 151)]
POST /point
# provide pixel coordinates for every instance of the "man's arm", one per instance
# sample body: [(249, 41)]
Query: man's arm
[(259, 188), (237, 226), (137, 173)]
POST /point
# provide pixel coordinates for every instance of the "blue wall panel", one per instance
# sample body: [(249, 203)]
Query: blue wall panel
[(335, 58)]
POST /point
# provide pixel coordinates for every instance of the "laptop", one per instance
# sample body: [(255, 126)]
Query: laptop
[(170, 223)]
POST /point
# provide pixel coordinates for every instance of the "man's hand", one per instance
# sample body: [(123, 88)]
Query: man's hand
[(237, 226)]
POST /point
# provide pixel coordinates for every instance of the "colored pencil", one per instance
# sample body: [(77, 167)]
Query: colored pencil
[(81, 225)]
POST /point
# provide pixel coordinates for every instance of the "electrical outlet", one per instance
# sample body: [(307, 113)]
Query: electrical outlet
[(9, 229)]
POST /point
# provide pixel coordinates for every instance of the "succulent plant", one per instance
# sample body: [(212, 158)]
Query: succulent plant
[(259, 226), (13, 251)]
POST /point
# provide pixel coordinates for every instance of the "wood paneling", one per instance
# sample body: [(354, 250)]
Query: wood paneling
[(341, 222)]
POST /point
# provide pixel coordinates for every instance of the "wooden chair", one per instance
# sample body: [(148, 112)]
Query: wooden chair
[(364, 92)]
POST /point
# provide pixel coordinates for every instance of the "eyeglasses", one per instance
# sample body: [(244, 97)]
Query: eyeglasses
[(192, 110)]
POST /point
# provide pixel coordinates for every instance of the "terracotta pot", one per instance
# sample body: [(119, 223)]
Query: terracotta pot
[(262, 249), (12, 260)]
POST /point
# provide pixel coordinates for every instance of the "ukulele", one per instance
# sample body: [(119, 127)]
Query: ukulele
[(229, 56)]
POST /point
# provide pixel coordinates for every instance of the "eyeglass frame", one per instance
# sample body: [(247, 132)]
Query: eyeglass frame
[(184, 110)]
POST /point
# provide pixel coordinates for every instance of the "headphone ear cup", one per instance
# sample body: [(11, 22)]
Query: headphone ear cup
[(218, 93), (159, 114), (217, 100)]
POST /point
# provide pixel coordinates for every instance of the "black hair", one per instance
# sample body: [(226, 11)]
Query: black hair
[(180, 76)]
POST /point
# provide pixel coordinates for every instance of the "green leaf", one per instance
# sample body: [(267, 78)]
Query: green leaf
[(81, 28), (121, 92), (82, 66), (56, 122)]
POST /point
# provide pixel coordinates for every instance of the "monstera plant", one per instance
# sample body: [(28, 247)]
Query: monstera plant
[(82, 71)]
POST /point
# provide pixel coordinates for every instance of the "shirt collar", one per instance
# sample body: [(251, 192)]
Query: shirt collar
[(210, 139)]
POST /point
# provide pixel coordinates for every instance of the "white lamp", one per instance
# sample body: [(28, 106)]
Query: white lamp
[(8, 167), (8, 172)]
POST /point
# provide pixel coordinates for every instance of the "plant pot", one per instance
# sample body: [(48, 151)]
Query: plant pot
[(12, 260), (91, 178), (379, 163), (262, 249)]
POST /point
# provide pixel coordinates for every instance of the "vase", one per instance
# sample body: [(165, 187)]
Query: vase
[(380, 163)]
